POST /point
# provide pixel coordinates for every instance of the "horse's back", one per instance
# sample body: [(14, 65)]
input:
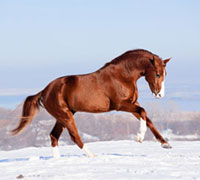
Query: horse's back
[(78, 93)]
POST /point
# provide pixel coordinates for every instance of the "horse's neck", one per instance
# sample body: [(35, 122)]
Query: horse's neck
[(125, 70), (135, 69)]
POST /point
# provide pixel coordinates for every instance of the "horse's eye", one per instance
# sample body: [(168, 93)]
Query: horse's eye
[(158, 75)]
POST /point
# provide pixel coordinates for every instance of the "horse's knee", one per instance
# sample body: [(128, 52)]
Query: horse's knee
[(142, 113)]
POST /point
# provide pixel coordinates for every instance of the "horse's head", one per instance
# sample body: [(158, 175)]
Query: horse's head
[(155, 76)]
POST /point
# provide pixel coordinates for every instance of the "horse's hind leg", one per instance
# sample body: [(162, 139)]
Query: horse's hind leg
[(54, 135), (69, 123)]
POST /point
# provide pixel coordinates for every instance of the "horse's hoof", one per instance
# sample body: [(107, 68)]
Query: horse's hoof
[(87, 152), (56, 153), (166, 146), (139, 138)]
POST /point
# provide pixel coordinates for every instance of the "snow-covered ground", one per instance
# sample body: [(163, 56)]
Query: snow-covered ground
[(118, 160)]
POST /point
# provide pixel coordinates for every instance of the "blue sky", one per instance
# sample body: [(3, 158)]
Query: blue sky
[(42, 40)]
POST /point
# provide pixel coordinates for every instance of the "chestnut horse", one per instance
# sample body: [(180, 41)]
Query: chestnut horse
[(112, 87)]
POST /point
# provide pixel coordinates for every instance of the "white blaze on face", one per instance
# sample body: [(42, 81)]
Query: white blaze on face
[(161, 94), (162, 91)]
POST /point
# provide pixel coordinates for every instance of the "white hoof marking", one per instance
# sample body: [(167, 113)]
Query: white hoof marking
[(87, 152), (142, 131), (56, 153), (140, 137)]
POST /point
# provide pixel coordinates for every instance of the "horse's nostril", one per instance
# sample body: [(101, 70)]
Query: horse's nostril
[(156, 92)]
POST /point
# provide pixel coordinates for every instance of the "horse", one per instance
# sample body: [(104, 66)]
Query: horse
[(112, 87)]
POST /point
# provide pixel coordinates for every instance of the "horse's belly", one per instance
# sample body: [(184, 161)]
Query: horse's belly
[(90, 103)]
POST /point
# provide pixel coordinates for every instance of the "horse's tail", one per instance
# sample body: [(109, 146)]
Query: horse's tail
[(30, 109)]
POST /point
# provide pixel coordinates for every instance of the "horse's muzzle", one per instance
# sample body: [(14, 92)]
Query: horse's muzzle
[(159, 95)]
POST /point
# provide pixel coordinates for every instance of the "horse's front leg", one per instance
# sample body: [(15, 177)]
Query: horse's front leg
[(136, 109), (153, 129), (140, 114)]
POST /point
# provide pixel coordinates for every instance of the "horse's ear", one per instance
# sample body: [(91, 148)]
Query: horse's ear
[(166, 61), (152, 61)]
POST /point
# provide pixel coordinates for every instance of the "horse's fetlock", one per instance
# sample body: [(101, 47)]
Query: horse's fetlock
[(54, 141)]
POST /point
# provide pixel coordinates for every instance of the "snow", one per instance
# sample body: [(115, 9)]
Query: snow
[(118, 160)]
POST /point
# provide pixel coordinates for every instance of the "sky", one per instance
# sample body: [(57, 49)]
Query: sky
[(43, 40)]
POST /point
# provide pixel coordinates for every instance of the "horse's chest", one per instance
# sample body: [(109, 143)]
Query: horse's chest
[(127, 93), (124, 92)]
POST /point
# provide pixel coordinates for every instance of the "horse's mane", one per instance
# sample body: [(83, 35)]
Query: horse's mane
[(130, 53)]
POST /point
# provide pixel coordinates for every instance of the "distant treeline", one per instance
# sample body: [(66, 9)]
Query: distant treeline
[(99, 127)]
